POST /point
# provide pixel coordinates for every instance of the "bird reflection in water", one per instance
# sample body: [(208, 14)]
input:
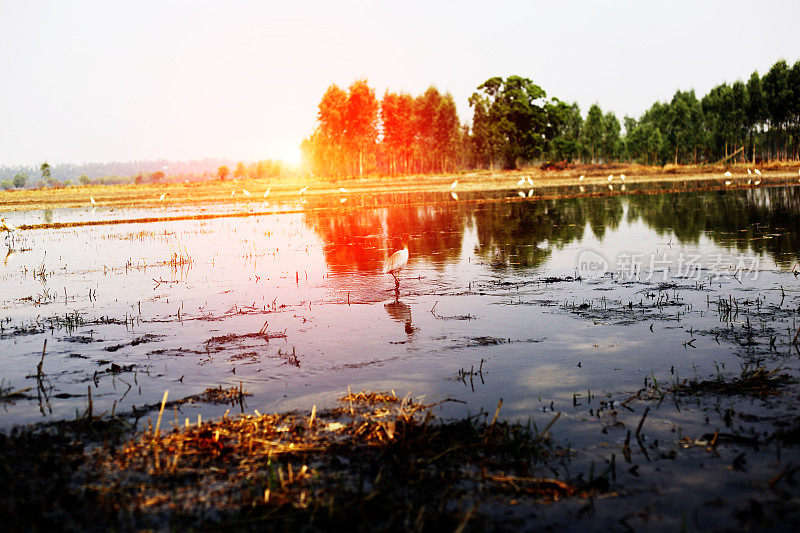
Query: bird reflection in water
[(400, 312)]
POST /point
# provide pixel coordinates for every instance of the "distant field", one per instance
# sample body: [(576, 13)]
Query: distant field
[(214, 191)]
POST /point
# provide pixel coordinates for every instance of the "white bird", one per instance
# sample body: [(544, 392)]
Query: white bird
[(304, 189), (622, 177), (757, 182), (758, 172), (748, 172), (521, 182), (749, 181), (530, 181), (623, 187), (5, 226), (266, 193), (581, 177), (397, 261), (453, 195), (521, 194), (245, 192), (728, 174), (343, 190), (163, 195), (233, 193), (610, 177), (342, 200), (582, 189), (454, 185), (610, 187), (727, 182), (92, 201), (530, 193)]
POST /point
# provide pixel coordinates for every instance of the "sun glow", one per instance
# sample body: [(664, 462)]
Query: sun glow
[(290, 156)]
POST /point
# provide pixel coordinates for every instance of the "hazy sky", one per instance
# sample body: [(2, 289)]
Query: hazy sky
[(111, 80)]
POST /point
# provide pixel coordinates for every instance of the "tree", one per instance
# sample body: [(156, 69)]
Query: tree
[(593, 129), (564, 125), (756, 110), (45, 169), (777, 96), (361, 120), (611, 140), (222, 172), (514, 113), (84, 180), (240, 171), (19, 180), (157, 176)]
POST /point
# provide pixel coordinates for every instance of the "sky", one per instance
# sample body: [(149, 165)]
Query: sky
[(97, 81)]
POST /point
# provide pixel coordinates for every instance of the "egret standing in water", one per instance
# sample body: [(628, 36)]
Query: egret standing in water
[(397, 261), (8, 228)]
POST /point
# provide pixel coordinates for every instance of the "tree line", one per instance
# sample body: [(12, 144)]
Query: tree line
[(514, 124)]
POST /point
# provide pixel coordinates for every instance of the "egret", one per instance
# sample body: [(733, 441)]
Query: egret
[(530, 181), (530, 193), (92, 201), (757, 182), (266, 193), (581, 177), (610, 177), (5, 226), (758, 172), (622, 177), (304, 189), (622, 187), (245, 192), (610, 187), (343, 190), (749, 181), (748, 172), (454, 195), (728, 174), (397, 261), (342, 200), (582, 189), (521, 182), (521, 193), (727, 182), (454, 185), (163, 195), (233, 193)]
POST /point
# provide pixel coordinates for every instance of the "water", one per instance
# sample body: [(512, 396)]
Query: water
[(132, 309)]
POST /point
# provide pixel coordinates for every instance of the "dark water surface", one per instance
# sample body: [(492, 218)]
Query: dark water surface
[(556, 301)]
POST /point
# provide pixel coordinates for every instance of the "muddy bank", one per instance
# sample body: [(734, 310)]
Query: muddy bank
[(379, 462)]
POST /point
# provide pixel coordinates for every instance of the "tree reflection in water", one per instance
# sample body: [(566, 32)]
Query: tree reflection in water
[(522, 234)]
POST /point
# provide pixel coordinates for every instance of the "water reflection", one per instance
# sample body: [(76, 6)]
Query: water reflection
[(522, 234), (400, 312)]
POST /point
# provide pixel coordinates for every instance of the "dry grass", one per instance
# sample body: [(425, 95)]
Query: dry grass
[(375, 462)]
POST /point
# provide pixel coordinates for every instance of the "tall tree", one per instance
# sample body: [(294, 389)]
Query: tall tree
[(593, 130), (361, 120)]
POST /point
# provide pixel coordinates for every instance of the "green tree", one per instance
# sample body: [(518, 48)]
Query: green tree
[(778, 96), (756, 110), (515, 111), (593, 130), (611, 139), (45, 169), (84, 180), (19, 180), (222, 172)]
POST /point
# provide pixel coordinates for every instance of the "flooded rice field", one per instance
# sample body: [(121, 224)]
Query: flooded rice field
[(542, 303), (671, 314)]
